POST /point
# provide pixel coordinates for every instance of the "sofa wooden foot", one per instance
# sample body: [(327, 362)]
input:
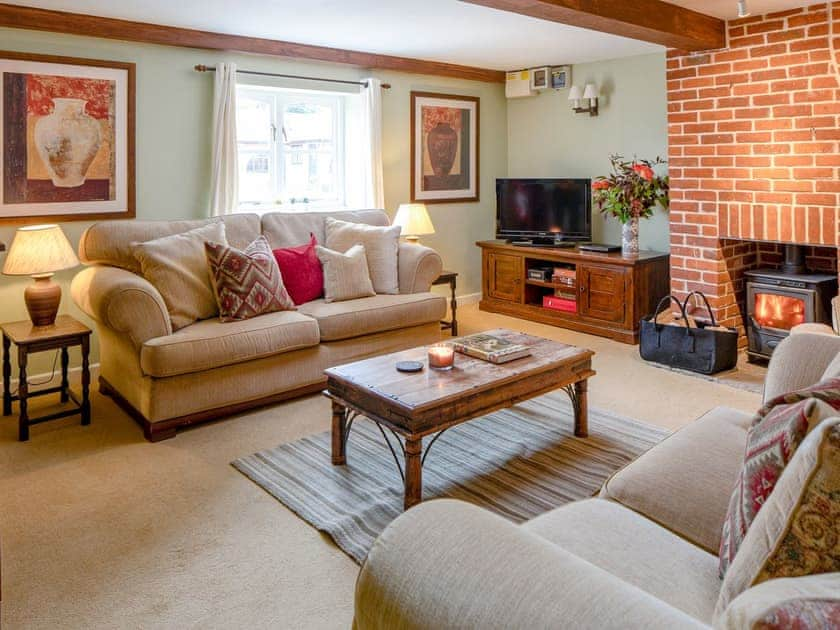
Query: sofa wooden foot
[(158, 434)]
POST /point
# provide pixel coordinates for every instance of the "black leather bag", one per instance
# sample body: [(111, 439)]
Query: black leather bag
[(705, 349)]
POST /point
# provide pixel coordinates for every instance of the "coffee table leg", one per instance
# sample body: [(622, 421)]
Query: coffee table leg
[(413, 472), (339, 434), (581, 409)]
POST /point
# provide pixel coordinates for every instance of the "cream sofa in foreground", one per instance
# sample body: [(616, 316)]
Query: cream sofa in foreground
[(642, 555), (211, 369)]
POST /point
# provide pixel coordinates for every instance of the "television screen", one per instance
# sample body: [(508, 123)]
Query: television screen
[(561, 208)]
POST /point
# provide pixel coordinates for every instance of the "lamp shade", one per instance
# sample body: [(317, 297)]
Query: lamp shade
[(39, 249), (414, 219), (590, 91), (574, 93)]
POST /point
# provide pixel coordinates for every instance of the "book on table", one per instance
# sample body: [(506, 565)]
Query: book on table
[(490, 348)]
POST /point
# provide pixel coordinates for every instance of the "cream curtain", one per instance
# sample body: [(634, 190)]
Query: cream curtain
[(371, 144), (224, 184)]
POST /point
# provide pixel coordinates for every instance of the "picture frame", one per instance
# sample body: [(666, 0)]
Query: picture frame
[(444, 148), (67, 130), (561, 77)]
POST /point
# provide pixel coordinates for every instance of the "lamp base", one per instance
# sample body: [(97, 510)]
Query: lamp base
[(42, 298), (412, 239)]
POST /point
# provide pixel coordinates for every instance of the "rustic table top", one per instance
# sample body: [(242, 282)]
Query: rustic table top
[(430, 388)]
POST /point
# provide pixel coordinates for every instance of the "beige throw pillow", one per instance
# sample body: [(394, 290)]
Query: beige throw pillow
[(381, 247), (346, 275), (177, 267)]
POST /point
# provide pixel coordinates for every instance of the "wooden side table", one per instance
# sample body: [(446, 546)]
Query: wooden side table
[(65, 333), (450, 278)]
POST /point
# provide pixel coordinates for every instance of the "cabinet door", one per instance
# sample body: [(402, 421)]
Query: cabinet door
[(602, 292), (504, 275)]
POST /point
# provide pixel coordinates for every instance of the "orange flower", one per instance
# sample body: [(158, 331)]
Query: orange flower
[(600, 184), (644, 171)]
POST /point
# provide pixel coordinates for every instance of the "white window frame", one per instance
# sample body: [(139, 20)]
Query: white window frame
[(278, 99)]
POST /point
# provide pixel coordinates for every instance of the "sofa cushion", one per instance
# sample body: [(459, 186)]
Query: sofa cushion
[(685, 481), (346, 275), (771, 443), (381, 248), (636, 550), (803, 602), (177, 267), (380, 313), (301, 270), (210, 343), (246, 282), (110, 242), (288, 229), (796, 531)]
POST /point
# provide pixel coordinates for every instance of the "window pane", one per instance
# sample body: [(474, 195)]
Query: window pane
[(254, 135), (309, 148)]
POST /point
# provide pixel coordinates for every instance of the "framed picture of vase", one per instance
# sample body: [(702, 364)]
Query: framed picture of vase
[(444, 147), (67, 132)]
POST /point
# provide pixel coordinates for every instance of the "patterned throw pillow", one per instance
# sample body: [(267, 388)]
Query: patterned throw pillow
[(800, 613), (247, 283), (301, 270), (796, 532), (776, 431)]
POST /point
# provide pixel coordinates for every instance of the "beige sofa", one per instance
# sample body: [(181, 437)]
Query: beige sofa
[(642, 555), (211, 369)]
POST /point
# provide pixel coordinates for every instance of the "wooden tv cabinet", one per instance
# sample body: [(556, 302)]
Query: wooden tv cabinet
[(612, 292)]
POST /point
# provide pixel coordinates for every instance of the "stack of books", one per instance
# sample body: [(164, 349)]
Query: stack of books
[(490, 348), (565, 297), (564, 277)]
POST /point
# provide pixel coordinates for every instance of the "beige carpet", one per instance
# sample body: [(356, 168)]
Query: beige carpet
[(100, 529)]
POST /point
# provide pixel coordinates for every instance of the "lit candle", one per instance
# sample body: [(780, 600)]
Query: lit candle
[(441, 356)]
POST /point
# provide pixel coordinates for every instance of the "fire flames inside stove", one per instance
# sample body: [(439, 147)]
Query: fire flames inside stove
[(778, 311)]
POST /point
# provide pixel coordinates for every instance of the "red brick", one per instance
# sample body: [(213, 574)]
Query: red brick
[(767, 51), (793, 160), (790, 185), (761, 136), (809, 18), (792, 110), (819, 199), (786, 35), (789, 60), (753, 113), (779, 98), (813, 96)]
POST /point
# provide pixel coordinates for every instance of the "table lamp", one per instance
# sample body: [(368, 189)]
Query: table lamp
[(414, 220), (39, 251)]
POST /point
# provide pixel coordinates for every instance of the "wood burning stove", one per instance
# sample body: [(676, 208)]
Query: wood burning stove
[(779, 299)]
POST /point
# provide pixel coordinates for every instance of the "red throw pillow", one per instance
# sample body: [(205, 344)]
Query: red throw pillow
[(247, 283), (301, 270)]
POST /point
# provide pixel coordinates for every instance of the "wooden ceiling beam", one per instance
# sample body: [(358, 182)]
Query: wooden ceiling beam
[(15, 16), (646, 20)]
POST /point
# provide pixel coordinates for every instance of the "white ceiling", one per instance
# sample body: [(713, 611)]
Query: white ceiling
[(437, 30)]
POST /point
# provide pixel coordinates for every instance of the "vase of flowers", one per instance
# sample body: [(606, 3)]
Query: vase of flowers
[(629, 193)]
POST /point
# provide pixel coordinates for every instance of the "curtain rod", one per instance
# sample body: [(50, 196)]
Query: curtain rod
[(203, 68)]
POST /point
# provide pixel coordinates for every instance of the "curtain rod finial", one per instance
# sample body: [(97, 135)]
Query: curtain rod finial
[(200, 68)]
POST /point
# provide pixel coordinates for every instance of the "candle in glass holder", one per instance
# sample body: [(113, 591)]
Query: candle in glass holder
[(441, 356)]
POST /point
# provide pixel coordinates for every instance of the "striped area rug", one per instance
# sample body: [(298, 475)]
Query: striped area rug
[(518, 462)]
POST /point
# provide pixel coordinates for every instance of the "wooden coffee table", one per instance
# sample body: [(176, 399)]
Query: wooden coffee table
[(413, 406)]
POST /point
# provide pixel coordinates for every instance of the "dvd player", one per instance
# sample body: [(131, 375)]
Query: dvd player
[(602, 248)]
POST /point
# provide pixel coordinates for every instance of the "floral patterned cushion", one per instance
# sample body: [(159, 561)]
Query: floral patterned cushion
[(776, 432), (796, 532), (801, 614), (247, 283)]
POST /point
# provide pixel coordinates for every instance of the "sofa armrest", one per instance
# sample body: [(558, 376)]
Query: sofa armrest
[(122, 301), (448, 564), (419, 266), (799, 361)]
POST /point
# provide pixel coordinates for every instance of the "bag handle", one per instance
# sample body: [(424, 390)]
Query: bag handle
[(705, 301), (667, 300)]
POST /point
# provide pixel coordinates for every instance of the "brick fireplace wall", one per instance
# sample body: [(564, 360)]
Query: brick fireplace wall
[(754, 151)]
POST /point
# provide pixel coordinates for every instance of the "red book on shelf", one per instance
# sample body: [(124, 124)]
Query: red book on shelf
[(560, 304)]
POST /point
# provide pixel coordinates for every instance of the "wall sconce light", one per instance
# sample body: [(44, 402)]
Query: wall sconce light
[(743, 11), (590, 93)]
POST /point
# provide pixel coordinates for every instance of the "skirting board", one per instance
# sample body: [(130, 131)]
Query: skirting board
[(38, 379), (469, 298)]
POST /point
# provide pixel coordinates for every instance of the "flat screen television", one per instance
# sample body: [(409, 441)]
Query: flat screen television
[(544, 210)]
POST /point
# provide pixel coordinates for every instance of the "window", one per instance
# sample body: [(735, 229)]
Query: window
[(291, 147)]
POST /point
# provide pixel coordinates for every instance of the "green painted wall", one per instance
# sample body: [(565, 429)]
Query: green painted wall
[(547, 139), (174, 110)]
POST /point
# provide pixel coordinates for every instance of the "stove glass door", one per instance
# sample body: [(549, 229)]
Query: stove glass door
[(773, 310)]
